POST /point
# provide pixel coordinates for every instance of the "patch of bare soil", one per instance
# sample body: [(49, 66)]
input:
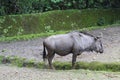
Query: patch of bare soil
[(14, 73), (32, 49)]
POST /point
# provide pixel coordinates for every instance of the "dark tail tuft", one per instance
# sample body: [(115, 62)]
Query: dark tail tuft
[(44, 52)]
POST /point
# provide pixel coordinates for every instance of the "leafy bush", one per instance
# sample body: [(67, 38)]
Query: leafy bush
[(35, 6)]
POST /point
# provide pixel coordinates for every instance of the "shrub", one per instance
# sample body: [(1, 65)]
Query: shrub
[(35, 6)]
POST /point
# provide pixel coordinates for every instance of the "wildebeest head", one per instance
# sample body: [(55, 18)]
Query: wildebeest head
[(98, 47)]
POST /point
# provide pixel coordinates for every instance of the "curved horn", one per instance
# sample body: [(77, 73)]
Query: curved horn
[(101, 34)]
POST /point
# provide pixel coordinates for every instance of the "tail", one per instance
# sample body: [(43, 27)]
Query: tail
[(44, 52)]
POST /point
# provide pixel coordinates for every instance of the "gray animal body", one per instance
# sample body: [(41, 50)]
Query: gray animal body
[(74, 42)]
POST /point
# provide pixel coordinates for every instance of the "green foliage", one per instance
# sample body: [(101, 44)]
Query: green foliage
[(1, 59), (96, 66), (16, 61), (29, 36), (35, 6), (110, 66), (20, 31), (30, 63), (101, 21), (48, 29), (63, 66), (117, 22), (39, 65), (14, 25), (2, 10), (82, 65), (56, 1), (32, 36)]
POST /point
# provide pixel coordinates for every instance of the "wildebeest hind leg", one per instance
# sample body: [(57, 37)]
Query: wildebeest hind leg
[(74, 60), (50, 58)]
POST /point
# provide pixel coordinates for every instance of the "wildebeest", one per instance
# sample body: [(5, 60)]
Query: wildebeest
[(74, 42)]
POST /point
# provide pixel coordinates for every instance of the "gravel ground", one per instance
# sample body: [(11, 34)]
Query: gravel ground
[(14, 73), (32, 49)]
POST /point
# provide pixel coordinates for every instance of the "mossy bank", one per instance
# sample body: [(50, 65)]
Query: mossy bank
[(52, 21)]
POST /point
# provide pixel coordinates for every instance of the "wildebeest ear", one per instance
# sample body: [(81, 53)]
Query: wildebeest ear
[(96, 38)]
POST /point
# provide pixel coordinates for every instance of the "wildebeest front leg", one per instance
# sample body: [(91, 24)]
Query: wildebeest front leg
[(74, 60)]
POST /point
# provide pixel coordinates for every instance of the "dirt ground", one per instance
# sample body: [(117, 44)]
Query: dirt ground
[(15, 73), (32, 49)]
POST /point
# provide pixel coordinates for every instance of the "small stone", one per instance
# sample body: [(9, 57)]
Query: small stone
[(94, 58)]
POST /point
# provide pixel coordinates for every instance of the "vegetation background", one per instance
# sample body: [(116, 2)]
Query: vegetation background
[(21, 17), (35, 6)]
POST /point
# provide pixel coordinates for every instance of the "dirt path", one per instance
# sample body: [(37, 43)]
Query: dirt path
[(14, 73), (32, 49)]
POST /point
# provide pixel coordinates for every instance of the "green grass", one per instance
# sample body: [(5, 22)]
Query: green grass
[(96, 66), (58, 20), (33, 36)]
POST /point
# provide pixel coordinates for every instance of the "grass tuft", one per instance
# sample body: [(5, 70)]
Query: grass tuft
[(96, 66)]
